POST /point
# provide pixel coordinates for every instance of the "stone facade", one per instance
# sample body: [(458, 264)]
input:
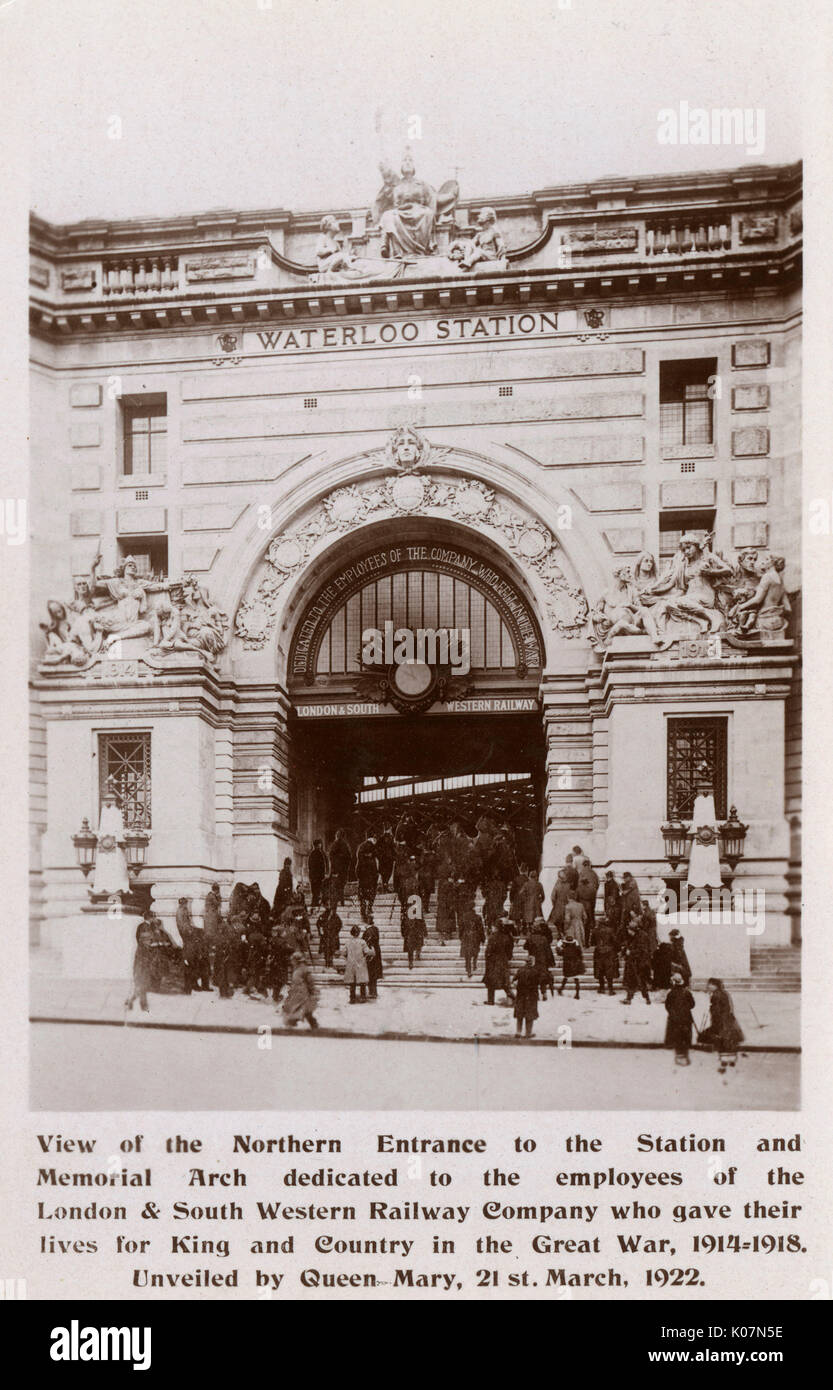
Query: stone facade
[(536, 383)]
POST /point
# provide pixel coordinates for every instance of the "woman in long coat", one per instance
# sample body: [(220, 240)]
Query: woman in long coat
[(572, 963), (374, 963), (679, 1005), (355, 971), (302, 995), (574, 919), (560, 898), (724, 1033)]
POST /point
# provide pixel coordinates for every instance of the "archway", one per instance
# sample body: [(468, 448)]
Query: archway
[(436, 729)]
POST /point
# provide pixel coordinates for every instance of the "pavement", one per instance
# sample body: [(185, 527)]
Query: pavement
[(79, 1067), (770, 1021)]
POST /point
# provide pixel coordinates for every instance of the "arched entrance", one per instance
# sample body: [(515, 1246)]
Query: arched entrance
[(413, 673)]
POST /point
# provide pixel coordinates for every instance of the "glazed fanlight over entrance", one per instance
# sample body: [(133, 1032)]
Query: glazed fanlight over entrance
[(419, 581), (477, 735)]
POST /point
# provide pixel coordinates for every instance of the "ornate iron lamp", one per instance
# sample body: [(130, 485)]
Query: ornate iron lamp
[(135, 850), (732, 835), (677, 840), (86, 843)]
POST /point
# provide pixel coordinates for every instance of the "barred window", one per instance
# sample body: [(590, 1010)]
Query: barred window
[(696, 753), (686, 410), (124, 768)]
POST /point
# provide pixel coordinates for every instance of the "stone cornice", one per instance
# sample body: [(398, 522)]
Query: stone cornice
[(685, 234)]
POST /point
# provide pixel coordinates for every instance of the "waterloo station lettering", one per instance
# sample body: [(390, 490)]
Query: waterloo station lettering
[(402, 332)]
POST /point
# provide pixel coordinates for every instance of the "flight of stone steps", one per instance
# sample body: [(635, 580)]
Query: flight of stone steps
[(441, 965), (773, 967)]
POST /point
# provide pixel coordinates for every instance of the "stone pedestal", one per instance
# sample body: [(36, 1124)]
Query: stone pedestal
[(98, 943), (716, 943)]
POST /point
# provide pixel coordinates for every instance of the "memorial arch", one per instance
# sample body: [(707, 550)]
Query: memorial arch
[(424, 548)]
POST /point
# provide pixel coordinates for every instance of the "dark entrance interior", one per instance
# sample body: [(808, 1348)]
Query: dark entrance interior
[(367, 773)]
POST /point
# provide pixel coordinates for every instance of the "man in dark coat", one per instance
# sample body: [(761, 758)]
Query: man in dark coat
[(258, 912), (679, 959), (466, 873), (413, 928), (662, 966), (605, 959), (648, 923), (341, 861), (527, 981), (679, 1005), (255, 961), (586, 892), (426, 873), (630, 900), (277, 962), (612, 906), (570, 872), (329, 935), (212, 913), (367, 874), (225, 958), (317, 866), (472, 937), (572, 963), (499, 946), (539, 943), (142, 971), (637, 973), (498, 872), (374, 964), (386, 858), (194, 949), (284, 890)]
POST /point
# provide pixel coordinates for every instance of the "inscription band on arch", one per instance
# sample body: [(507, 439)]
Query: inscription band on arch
[(364, 572)]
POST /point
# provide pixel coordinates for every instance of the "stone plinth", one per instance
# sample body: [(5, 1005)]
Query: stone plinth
[(98, 943), (716, 943)]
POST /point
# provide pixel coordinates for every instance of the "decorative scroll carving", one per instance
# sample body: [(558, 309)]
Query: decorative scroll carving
[(167, 616), (408, 493)]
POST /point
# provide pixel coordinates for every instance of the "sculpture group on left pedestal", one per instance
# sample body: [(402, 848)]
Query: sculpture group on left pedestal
[(174, 615)]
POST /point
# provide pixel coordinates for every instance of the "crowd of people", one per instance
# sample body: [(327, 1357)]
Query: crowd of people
[(262, 949)]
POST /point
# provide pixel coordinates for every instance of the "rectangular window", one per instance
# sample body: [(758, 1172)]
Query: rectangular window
[(672, 525), (696, 753), (124, 767), (144, 434), (686, 409)]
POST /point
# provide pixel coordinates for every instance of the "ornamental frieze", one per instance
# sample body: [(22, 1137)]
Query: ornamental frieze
[(408, 493)]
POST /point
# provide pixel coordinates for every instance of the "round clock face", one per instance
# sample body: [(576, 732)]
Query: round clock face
[(412, 679)]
